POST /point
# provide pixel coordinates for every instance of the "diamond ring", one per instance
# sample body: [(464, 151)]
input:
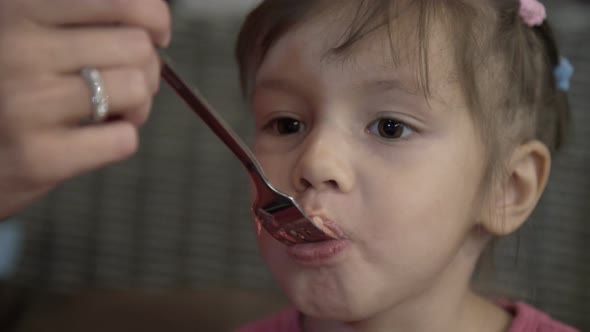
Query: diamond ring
[(100, 101)]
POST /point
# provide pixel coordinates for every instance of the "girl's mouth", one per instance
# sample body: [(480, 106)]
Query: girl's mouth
[(326, 225), (318, 253), (324, 252)]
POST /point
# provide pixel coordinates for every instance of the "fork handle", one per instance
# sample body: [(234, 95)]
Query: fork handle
[(214, 121)]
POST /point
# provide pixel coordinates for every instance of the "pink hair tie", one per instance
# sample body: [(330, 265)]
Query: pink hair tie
[(532, 12)]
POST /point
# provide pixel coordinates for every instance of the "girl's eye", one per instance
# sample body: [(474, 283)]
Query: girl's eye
[(287, 126), (390, 129)]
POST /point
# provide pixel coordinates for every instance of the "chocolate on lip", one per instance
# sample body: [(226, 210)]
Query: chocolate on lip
[(312, 208), (327, 225)]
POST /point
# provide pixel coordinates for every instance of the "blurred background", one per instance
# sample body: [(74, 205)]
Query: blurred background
[(165, 241)]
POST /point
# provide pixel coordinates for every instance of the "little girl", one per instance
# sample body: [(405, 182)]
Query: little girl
[(421, 130)]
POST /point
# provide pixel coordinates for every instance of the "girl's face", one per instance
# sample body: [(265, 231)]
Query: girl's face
[(355, 144)]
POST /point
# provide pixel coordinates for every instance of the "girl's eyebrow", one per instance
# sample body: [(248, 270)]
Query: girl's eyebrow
[(398, 89), (370, 86), (278, 84), (380, 86)]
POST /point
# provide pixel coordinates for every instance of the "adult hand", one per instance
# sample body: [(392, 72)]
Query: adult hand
[(43, 99)]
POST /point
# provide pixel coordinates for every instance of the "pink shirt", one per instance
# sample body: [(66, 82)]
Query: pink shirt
[(526, 319), (529, 319)]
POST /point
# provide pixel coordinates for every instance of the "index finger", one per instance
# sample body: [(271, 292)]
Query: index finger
[(153, 15)]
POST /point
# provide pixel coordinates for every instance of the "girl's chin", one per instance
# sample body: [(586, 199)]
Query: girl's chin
[(342, 311), (324, 309), (322, 298)]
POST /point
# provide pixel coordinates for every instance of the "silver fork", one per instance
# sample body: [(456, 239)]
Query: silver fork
[(278, 213)]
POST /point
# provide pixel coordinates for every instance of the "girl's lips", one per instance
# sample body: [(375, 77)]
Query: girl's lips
[(333, 227), (318, 253), (327, 225)]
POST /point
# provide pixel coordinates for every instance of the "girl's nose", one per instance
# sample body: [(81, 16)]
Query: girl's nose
[(323, 164)]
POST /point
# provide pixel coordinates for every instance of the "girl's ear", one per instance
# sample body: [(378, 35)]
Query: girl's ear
[(513, 202)]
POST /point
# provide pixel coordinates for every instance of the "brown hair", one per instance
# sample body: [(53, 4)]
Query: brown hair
[(493, 48)]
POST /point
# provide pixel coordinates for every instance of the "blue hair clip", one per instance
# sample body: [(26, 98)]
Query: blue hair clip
[(563, 73)]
